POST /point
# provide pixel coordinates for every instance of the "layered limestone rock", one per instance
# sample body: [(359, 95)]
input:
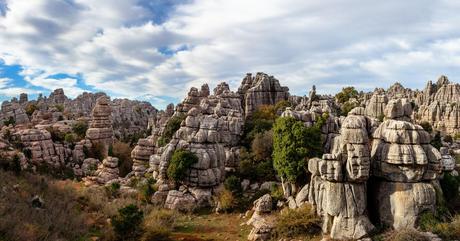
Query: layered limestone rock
[(141, 155), (42, 149), (105, 173), (58, 97), (193, 99), (100, 130), (338, 183), (441, 106), (406, 164), (262, 224), (261, 90), (447, 161), (13, 111), (131, 117), (376, 106)]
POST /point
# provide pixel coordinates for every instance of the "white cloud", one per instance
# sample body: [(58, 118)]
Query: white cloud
[(331, 43)]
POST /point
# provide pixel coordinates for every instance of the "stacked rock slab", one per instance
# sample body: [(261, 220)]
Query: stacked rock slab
[(100, 130), (441, 106), (13, 110), (211, 131), (260, 221), (42, 148), (405, 165), (338, 183), (141, 155), (106, 172), (261, 90), (376, 105)]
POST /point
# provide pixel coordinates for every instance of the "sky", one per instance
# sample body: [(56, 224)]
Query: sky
[(156, 50)]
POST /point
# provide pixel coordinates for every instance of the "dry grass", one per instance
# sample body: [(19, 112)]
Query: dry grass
[(298, 222), (61, 217), (406, 235), (159, 224)]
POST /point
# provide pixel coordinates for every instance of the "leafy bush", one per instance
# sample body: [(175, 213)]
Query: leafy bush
[(450, 185), (264, 171), (227, 200), (233, 184), (127, 224), (56, 135), (449, 139), (31, 108), (69, 138), (457, 136), (27, 153), (180, 162), (59, 107), (426, 126), (96, 151), (123, 151), (347, 107), (346, 94), (10, 121), (80, 128), (113, 189), (295, 222), (159, 224), (436, 142), (262, 146), (147, 189), (171, 127), (281, 106), (10, 163), (292, 144)]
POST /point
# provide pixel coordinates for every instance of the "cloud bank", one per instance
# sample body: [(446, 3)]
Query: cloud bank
[(159, 49)]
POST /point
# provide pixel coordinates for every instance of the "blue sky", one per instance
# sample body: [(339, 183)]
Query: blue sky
[(156, 50)]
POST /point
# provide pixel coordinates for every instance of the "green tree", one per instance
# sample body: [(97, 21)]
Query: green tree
[(180, 162), (127, 224), (171, 127), (31, 108), (293, 143), (346, 94)]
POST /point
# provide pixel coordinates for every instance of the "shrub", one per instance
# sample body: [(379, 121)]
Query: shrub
[(449, 139), (147, 189), (171, 127), (292, 144), (127, 224), (426, 126), (406, 235), (96, 151), (226, 200), (246, 169), (436, 142), (457, 136), (27, 153), (233, 184), (56, 135), (30, 109), (112, 190), (80, 128), (346, 94), (264, 171), (159, 224), (10, 121), (281, 106), (123, 151), (69, 138), (180, 162), (450, 185), (347, 107), (262, 146), (59, 107), (295, 222)]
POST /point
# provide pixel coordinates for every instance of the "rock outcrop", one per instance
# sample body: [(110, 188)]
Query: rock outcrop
[(100, 130), (141, 155), (262, 224), (406, 164), (338, 182), (261, 90), (106, 172)]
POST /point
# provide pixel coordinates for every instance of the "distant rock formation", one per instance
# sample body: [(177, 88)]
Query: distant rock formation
[(261, 90)]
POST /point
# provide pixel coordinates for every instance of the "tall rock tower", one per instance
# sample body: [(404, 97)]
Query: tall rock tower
[(100, 130)]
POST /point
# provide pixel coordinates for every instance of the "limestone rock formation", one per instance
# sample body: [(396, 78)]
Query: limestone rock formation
[(106, 172), (262, 224), (100, 130), (261, 90), (13, 111), (42, 149), (376, 105), (406, 164), (141, 155), (447, 161), (338, 182)]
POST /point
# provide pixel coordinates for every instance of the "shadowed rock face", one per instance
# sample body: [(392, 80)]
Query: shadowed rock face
[(261, 90)]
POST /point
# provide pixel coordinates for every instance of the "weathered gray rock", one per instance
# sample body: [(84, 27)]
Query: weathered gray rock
[(141, 155), (100, 130), (105, 173), (262, 224)]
